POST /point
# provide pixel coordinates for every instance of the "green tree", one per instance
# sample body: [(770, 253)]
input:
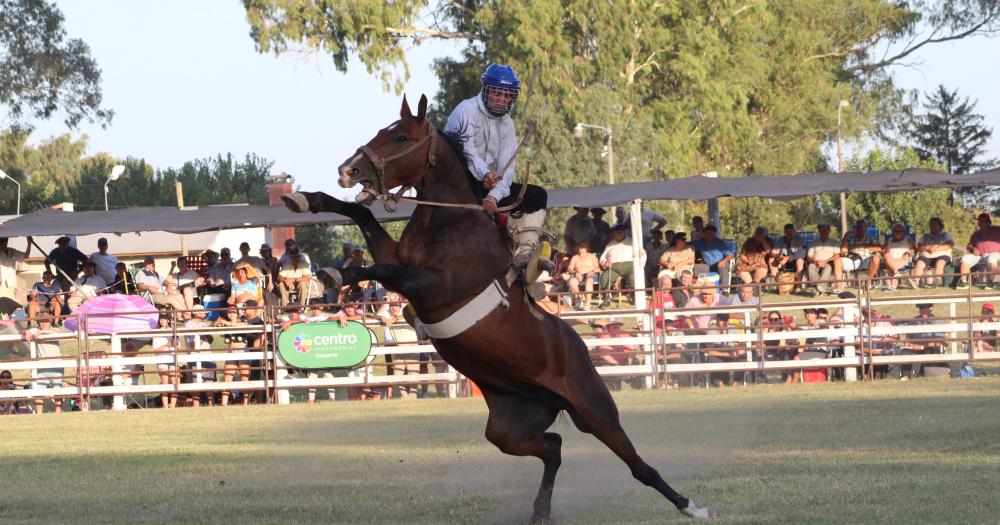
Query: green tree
[(951, 133), (44, 71)]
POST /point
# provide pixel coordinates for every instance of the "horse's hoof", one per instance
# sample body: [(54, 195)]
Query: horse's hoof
[(296, 202), (702, 513), (541, 520)]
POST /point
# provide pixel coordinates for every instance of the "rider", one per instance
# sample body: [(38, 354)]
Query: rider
[(484, 127)]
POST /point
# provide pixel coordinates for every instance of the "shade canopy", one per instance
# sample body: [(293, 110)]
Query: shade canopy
[(52, 222)]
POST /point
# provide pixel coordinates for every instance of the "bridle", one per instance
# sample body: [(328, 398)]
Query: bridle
[(380, 162), (391, 200)]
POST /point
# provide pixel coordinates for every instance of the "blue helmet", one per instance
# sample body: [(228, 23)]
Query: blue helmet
[(500, 89)]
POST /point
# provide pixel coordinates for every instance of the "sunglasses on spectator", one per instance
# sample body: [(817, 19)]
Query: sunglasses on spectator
[(773, 318)]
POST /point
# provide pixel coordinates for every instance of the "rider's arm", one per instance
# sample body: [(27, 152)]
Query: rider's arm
[(508, 145), (463, 123)]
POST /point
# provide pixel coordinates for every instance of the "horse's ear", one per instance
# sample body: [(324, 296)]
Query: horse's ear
[(404, 112), (422, 107)]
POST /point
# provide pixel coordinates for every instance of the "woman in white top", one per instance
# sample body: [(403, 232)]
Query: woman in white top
[(899, 252), (934, 250)]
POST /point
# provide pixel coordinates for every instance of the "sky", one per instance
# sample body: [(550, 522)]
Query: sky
[(185, 82)]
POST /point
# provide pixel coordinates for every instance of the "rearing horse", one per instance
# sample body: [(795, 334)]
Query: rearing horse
[(529, 364)]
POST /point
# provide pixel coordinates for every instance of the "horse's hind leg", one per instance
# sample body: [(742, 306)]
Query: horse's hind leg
[(517, 427), (595, 412)]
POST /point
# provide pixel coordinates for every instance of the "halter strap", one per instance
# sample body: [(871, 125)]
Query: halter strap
[(380, 162)]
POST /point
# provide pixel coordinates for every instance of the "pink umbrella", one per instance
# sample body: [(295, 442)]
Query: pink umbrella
[(131, 314)]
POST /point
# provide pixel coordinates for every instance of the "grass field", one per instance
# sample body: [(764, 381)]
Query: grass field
[(925, 451)]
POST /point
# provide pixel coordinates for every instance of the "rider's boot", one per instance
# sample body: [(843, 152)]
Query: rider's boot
[(526, 247)]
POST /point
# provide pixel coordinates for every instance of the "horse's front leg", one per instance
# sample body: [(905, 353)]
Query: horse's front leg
[(409, 282), (380, 244)]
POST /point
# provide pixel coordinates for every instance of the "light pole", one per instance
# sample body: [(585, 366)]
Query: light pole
[(578, 132), (4, 175), (840, 166), (115, 173)]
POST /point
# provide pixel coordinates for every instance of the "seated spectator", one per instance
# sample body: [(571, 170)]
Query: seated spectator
[(161, 292), (165, 344), (898, 253), (123, 283), (47, 350), (87, 286), (697, 228), (294, 275), (199, 371), (236, 343), (930, 342), (614, 355), (677, 258), (986, 340), (933, 251), (7, 406), (244, 285), (45, 296), (824, 261), (346, 251), (788, 254), (682, 292), (583, 268), (67, 259), (707, 297), (187, 281), (859, 251), (714, 253), (616, 261), (220, 275), (744, 297), (656, 249), (579, 229), (602, 231), (661, 302), (815, 345), (779, 349), (9, 257), (271, 267), (104, 261), (983, 247), (722, 352), (751, 266), (290, 246)]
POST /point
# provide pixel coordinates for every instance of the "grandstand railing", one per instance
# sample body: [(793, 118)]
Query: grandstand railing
[(866, 344)]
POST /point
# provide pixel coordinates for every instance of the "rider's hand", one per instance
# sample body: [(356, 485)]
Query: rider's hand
[(489, 205), (490, 180)]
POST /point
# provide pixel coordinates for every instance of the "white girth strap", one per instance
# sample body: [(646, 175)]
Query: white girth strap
[(466, 316)]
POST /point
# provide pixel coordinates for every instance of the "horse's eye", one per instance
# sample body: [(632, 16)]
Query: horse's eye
[(401, 139)]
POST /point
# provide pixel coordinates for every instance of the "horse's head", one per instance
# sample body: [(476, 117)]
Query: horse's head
[(399, 155)]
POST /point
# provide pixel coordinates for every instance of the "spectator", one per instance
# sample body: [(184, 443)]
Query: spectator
[(661, 302), (745, 297), (614, 355), (9, 257), (211, 259), (255, 262), (46, 350), (722, 352), (87, 286), (860, 251), (67, 259), (602, 229), (187, 282), (824, 260), (148, 281), (933, 251), (752, 263), (236, 343), (346, 251), (708, 297), (294, 275), (651, 221), (200, 371), (777, 349), (7, 407), (677, 258), (898, 253), (788, 254), (583, 268), (390, 314), (45, 296), (165, 344), (814, 322), (256, 341), (918, 343), (244, 286), (616, 261), (697, 228), (682, 289), (983, 247), (220, 275), (714, 253), (123, 282), (986, 340), (104, 261), (271, 266), (290, 246), (578, 229), (656, 249)]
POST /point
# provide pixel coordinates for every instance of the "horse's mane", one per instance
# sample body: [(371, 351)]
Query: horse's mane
[(455, 143)]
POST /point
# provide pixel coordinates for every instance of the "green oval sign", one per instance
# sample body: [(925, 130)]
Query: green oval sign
[(325, 345)]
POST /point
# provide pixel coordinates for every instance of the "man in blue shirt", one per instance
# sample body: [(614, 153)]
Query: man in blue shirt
[(714, 252)]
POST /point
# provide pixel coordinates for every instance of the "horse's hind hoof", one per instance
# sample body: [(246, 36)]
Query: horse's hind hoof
[(702, 513), (296, 202)]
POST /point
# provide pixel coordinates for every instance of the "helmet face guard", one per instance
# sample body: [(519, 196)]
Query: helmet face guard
[(500, 89)]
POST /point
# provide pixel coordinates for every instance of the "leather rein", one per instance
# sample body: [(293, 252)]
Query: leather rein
[(391, 200)]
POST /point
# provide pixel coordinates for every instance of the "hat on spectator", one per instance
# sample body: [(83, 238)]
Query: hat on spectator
[(224, 251), (614, 320), (603, 323), (198, 308), (988, 307), (209, 252), (62, 240), (921, 306), (47, 275), (265, 246), (251, 271), (598, 211), (148, 260), (359, 248)]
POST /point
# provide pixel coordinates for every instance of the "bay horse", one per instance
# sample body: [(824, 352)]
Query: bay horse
[(530, 365)]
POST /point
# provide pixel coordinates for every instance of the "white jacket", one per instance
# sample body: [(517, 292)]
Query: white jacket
[(489, 142)]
